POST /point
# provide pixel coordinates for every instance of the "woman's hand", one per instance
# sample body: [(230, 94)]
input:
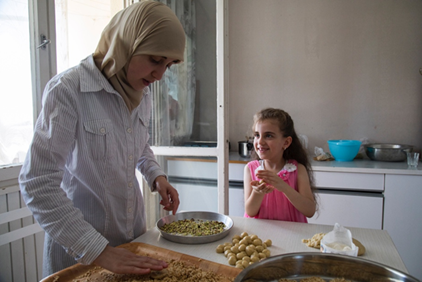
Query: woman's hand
[(122, 261), (169, 195)]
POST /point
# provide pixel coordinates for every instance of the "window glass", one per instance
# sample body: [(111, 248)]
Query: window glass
[(79, 24), (78, 29), (16, 121), (185, 100)]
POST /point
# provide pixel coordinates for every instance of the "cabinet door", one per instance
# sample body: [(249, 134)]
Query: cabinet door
[(349, 181), (402, 218), (194, 197), (350, 209), (236, 201)]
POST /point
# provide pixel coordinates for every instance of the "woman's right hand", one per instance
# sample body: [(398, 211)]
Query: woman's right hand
[(122, 261)]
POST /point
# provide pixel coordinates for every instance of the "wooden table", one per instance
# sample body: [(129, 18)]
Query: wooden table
[(287, 238)]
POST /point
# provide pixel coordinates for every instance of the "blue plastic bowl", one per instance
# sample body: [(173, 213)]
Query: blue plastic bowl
[(344, 150)]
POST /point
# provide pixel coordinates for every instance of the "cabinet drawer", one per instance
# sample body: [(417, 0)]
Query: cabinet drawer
[(236, 171), (351, 209), (192, 169), (349, 181)]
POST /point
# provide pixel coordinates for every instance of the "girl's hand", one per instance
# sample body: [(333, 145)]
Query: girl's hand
[(271, 179), (261, 187)]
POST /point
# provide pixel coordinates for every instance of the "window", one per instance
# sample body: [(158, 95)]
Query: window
[(73, 35), (79, 24), (78, 28), (16, 115)]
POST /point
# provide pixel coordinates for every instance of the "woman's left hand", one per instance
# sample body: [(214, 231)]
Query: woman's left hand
[(169, 195)]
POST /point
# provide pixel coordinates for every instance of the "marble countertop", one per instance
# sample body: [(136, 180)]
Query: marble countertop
[(287, 238)]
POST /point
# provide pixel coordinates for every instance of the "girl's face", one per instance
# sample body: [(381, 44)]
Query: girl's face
[(269, 142), (145, 69)]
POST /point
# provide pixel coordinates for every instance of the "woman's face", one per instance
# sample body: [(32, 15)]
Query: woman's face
[(145, 69)]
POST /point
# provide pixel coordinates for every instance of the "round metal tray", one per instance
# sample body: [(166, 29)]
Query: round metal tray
[(198, 215), (387, 152), (297, 266)]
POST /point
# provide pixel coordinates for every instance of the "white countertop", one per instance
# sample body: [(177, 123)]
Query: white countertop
[(287, 238), (357, 165)]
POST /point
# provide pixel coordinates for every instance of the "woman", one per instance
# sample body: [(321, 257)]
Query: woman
[(79, 175)]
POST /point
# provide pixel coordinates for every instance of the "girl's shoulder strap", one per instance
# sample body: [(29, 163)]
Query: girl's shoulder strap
[(253, 164), (292, 161)]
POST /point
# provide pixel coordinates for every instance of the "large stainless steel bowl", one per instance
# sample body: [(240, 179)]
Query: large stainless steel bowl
[(387, 152), (198, 215), (297, 266)]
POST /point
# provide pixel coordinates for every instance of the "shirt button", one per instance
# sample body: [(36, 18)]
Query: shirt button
[(129, 130), (130, 157), (129, 210), (130, 184), (102, 130)]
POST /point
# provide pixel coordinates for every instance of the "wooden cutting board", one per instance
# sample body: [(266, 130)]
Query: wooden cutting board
[(70, 273)]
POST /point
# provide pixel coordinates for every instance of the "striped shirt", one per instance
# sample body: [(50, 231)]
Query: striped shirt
[(78, 178)]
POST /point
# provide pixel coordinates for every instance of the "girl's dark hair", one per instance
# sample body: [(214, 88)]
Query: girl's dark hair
[(295, 151)]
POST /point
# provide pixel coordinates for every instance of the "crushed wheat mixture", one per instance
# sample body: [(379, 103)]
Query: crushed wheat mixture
[(176, 271)]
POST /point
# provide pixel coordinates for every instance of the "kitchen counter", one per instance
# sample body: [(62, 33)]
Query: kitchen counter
[(357, 165), (287, 238)]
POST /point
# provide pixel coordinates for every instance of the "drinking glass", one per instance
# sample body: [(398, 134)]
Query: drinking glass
[(412, 159)]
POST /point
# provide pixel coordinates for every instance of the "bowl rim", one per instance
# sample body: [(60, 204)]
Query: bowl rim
[(201, 215), (344, 141), (300, 256), (386, 146)]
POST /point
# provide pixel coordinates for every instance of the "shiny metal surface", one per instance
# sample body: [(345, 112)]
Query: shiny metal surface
[(387, 152), (245, 149), (195, 215), (327, 266)]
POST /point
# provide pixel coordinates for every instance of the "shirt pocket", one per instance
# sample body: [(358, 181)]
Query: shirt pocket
[(100, 138), (142, 134)]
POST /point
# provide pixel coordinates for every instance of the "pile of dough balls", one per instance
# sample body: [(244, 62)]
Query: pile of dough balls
[(245, 250)]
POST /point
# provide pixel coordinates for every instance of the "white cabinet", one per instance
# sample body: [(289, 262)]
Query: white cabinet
[(349, 181), (196, 182), (349, 209), (403, 218), (194, 197), (350, 199)]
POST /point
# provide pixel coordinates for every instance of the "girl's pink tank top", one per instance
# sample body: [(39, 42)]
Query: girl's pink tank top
[(275, 205)]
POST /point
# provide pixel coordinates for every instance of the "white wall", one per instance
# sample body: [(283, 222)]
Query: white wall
[(342, 69)]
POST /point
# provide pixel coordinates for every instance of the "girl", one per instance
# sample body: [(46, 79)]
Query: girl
[(279, 183)]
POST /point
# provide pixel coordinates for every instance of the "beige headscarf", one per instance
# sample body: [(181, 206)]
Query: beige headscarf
[(143, 28)]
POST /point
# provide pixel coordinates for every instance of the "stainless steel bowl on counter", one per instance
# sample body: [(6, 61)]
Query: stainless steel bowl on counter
[(197, 215), (387, 152), (297, 266)]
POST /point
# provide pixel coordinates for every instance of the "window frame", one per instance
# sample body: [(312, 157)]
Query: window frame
[(221, 152), (43, 68)]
